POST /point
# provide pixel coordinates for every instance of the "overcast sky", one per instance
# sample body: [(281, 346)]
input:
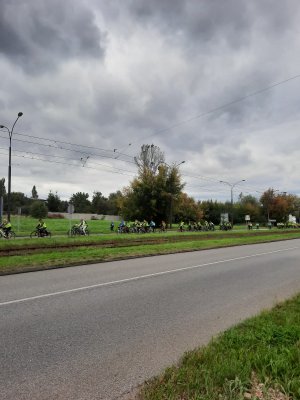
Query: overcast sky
[(181, 74)]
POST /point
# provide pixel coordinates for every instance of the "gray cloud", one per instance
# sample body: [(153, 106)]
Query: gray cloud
[(42, 34), (106, 74)]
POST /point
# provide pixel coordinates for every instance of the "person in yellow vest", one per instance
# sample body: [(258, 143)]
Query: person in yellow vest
[(42, 227), (6, 226)]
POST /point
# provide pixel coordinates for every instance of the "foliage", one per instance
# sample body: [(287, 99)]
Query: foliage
[(53, 202), (211, 210), (155, 193), (114, 203), (81, 202), (99, 203), (278, 206), (38, 209), (187, 209)]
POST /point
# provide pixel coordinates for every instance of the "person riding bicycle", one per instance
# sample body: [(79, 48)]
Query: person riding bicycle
[(181, 226), (82, 226), (152, 225), (163, 226), (41, 228), (6, 226)]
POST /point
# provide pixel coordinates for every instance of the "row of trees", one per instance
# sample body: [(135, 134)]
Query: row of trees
[(157, 193), (99, 204)]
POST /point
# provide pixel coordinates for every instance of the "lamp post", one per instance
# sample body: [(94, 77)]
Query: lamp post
[(171, 195), (10, 133), (232, 185)]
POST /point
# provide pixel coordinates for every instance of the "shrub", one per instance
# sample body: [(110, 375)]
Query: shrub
[(38, 209)]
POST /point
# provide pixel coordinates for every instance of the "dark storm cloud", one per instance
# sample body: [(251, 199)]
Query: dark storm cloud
[(38, 35)]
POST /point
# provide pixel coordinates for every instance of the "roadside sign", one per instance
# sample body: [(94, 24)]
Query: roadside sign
[(224, 218), (247, 217)]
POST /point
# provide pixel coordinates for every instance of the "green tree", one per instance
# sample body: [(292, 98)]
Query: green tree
[(99, 203), (155, 193), (38, 209), (53, 202), (34, 193), (114, 200), (212, 210), (247, 205), (81, 202)]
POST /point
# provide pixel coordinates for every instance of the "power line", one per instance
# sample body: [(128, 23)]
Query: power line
[(238, 100), (70, 165), (68, 149)]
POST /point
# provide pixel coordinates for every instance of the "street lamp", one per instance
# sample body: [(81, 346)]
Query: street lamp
[(171, 195), (10, 133), (232, 185)]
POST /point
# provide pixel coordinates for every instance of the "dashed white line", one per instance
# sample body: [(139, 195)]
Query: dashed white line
[(135, 278)]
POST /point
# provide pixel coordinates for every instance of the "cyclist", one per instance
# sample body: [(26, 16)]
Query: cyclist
[(181, 226), (82, 226), (42, 228), (6, 226)]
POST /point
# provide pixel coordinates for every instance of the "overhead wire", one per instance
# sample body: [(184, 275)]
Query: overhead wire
[(223, 106), (108, 169), (68, 149)]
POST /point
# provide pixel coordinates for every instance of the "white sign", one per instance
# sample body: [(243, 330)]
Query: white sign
[(247, 217), (224, 218)]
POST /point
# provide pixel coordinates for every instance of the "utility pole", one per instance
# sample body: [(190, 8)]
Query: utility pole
[(10, 133)]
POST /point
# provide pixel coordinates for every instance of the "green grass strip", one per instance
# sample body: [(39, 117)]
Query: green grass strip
[(50, 258), (264, 349)]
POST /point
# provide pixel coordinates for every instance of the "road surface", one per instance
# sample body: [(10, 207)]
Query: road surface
[(95, 332)]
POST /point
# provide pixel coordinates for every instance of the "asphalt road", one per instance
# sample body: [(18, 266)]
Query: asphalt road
[(97, 331)]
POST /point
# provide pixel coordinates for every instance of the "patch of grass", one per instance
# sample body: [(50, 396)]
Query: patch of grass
[(267, 346)]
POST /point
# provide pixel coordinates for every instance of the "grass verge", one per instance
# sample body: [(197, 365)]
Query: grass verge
[(92, 252), (257, 359)]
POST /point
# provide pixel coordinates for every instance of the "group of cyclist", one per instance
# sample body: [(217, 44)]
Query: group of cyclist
[(135, 227), (145, 226), (124, 227)]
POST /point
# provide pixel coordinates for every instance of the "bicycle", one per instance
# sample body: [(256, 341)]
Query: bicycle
[(38, 233), (78, 231), (9, 235)]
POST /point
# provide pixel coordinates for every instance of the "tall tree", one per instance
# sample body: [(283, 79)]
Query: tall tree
[(155, 193), (34, 193), (99, 203), (81, 202), (53, 202)]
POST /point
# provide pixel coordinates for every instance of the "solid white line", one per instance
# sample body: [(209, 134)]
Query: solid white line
[(135, 278)]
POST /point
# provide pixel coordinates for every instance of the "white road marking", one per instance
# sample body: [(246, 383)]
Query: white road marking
[(135, 278)]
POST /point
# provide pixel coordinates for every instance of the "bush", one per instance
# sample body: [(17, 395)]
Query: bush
[(38, 210)]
